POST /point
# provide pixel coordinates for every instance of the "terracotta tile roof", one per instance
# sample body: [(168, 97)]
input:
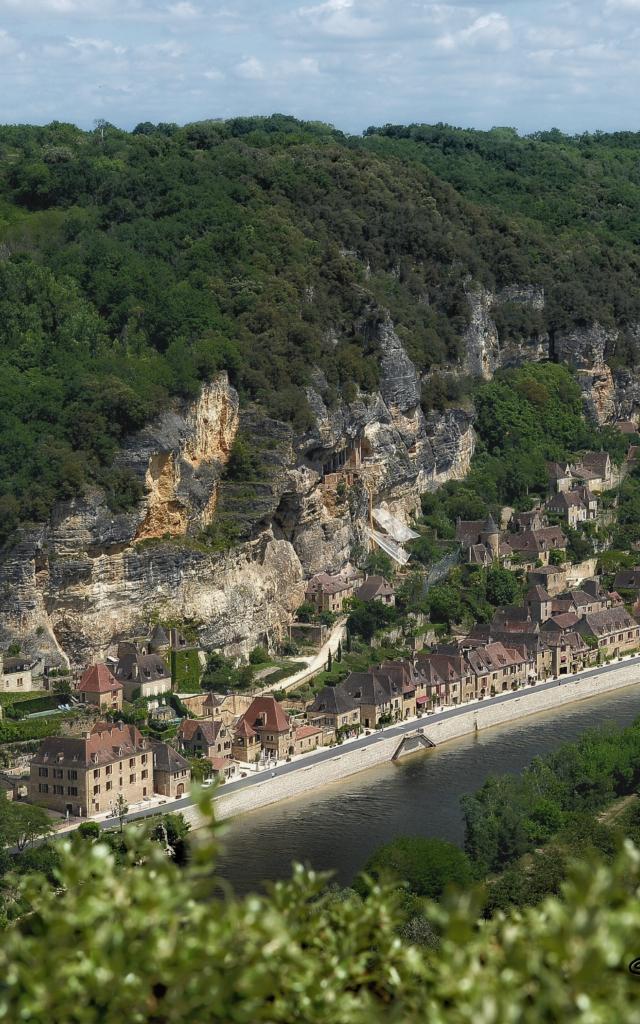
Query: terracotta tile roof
[(219, 764), (267, 713), (207, 728), (98, 679), (105, 744), (307, 730), (242, 728)]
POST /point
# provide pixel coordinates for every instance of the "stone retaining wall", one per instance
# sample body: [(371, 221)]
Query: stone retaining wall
[(479, 716)]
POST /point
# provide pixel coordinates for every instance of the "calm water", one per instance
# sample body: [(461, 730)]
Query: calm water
[(336, 828)]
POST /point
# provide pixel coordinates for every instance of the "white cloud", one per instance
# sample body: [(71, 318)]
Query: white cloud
[(340, 18), (488, 31), (251, 68), (8, 44), (213, 75), (183, 10)]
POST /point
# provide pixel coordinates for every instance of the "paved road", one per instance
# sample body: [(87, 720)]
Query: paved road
[(328, 753)]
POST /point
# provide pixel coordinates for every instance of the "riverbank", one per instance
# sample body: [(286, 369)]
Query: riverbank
[(331, 766)]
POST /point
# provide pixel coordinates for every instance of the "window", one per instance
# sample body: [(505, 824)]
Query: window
[(145, 774), (109, 786), (144, 758), (109, 769), (43, 772), (19, 681), (43, 787), (72, 774), (58, 790), (96, 789), (132, 762), (72, 790), (58, 773), (132, 779), (96, 773)]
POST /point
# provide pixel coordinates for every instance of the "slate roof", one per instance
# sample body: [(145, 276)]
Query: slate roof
[(332, 700), (611, 620), (166, 759), (374, 586), (141, 668)]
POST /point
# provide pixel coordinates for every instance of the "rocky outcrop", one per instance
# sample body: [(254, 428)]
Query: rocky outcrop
[(70, 588)]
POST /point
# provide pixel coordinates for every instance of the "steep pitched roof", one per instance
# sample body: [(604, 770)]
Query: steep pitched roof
[(332, 700), (608, 621), (98, 679), (207, 727), (267, 713), (166, 759), (374, 586)]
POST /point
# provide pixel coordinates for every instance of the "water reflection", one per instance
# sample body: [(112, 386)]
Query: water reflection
[(338, 827)]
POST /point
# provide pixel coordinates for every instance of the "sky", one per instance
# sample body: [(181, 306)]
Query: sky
[(529, 64)]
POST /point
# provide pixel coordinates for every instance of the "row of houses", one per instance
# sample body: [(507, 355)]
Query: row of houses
[(328, 593)]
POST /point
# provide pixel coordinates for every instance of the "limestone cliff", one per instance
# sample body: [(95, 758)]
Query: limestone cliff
[(73, 586)]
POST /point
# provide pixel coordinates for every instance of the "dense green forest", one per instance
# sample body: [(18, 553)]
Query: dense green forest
[(134, 265)]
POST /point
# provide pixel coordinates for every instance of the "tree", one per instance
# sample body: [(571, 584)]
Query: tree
[(306, 612), (502, 587), (120, 809), (22, 824), (258, 656), (201, 768), (339, 651), (89, 830), (378, 563), (329, 660), (428, 866)]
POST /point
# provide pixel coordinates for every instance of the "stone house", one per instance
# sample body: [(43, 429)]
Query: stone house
[(628, 579), (16, 674), (573, 507), (100, 688), (223, 768), (269, 721), (551, 577), (204, 738), (536, 545), (171, 771), (569, 653), (306, 738), (376, 588), (376, 696), (535, 519), (596, 469), (332, 708), (83, 776), (614, 629), (497, 668), (328, 593), (561, 622), (538, 604), (142, 675), (246, 744)]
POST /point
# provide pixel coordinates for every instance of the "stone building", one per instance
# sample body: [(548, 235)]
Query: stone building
[(267, 719), (615, 631), (376, 588), (333, 709), (204, 738), (171, 771), (142, 674), (16, 674), (328, 593), (83, 776), (100, 688)]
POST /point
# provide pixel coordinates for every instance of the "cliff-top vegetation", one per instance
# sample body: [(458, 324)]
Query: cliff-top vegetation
[(135, 265)]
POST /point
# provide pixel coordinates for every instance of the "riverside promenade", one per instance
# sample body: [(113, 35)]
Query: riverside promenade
[(331, 764)]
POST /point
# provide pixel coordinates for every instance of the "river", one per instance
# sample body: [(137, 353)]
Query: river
[(336, 828)]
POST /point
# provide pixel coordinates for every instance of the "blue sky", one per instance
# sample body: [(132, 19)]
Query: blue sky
[(571, 64)]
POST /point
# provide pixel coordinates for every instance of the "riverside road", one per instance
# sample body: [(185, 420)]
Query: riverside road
[(390, 731)]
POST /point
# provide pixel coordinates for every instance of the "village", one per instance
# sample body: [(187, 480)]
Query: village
[(136, 732)]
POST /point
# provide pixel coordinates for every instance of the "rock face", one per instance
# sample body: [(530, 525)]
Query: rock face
[(73, 586)]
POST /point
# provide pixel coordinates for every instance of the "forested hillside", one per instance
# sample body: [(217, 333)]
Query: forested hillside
[(134, 265)]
